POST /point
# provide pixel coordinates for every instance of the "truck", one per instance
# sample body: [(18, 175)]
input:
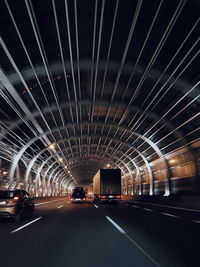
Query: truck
[(107, 185)]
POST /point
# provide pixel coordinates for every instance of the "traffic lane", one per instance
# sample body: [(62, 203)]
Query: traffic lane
[(186, 214), (74, 235), (41, 208), (171, 241)]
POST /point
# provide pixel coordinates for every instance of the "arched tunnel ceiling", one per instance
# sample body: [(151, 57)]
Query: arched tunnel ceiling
[(90, 83)]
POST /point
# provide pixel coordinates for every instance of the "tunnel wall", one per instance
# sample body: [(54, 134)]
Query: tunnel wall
[(183, 174)]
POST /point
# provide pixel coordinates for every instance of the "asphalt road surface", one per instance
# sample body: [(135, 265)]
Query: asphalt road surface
[(61, 234)]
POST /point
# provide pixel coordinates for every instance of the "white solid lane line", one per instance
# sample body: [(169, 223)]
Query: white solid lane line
[(25, 225), (168, 214), (116, 225), (147, 209), (60, 206), (171, 207), (96, 206), (196, 221), (132, 241), (134, 206), (47, 202), (129, 238)]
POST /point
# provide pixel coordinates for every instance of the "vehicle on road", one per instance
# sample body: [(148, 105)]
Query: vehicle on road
[(78, 194), (15, 204), (107, 185)]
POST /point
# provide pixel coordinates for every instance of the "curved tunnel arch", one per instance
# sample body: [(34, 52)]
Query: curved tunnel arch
[(27, 81)]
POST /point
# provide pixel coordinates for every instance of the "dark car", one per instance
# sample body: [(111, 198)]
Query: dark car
[(78, 195), (15, 204)]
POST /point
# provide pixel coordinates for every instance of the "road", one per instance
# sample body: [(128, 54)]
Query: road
[(61, 234)]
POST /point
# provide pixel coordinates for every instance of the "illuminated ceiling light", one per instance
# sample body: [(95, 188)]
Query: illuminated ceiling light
[(108, 165), (65, 167), (68, 171), (52, 147), (60, 159)]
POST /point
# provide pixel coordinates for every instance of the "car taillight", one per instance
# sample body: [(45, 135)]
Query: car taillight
[(16, 198), (13, 211), (103, 196), (118, 196)]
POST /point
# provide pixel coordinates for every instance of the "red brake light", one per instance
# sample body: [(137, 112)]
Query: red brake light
[(16, 198)]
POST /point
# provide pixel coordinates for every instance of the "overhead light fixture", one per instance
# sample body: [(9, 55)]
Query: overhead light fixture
[(52, 146)]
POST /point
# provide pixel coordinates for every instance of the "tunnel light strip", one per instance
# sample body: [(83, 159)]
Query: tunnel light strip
[(24, 47), (43, 55), (78, 64), (97, 57), (131, 31), (77, 49), (93, 48), (65, 73), (189, 33), (184, 41), (25, 225), (96, 206), (158, 49), (60, 206), (98, 48), (64, 69), (26, 52), (173, 117), (141, 51), (71, 58), (109, 48), (135, 126), (32, 68), (19, 35), (185, 95), (92, 69)]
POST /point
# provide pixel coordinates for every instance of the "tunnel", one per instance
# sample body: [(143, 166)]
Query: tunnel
[(101, 84)]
